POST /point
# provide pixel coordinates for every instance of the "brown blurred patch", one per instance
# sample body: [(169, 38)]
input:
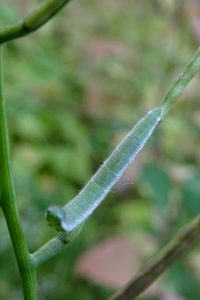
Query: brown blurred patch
[(192, 10), (100, 49), (113, 262)]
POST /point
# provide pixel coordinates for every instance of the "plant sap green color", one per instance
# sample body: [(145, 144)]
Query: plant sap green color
[(24, 258), (82, 206), (8, 205), (33, 21), (68, 220)]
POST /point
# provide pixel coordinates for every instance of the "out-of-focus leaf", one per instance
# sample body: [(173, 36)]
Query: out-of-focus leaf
[(8, 14), (186, 286), (156, 184), (134, 215), (191, 195), (67, 162)]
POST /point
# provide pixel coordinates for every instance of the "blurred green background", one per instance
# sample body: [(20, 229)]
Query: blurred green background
[(73, 90)]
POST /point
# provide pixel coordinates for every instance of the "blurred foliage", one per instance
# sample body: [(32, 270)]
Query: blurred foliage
[(73, 89)]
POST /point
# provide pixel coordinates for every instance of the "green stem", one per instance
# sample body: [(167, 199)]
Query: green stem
[(54, 246), (24, 260), (191, 70), (178, 247), (34, 20), (193, 67)]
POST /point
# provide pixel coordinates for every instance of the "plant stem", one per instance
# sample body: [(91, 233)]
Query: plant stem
[(54, 246), (191, 69), (179, 246), (34, 20), (24, 260)]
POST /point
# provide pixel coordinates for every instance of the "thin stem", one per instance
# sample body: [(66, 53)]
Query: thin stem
[(24, 260), (191, 69), (34, 20), (54, 246), (178, 247)]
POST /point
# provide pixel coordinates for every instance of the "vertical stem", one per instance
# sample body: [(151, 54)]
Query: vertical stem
[(24, 261)]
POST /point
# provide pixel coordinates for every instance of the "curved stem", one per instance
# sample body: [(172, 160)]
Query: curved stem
[(178, 247), (54, 246), (34, 20), (24, 260)]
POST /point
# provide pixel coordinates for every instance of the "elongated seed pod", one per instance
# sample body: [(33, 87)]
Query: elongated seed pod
[(82, 206)]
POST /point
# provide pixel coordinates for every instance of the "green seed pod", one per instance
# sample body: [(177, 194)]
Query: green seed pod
[(82, 206)]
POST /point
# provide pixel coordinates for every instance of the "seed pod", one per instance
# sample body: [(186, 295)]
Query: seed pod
[(82, 206)]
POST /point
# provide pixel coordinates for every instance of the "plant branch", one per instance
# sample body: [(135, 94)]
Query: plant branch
[(54, 246), (34, 20), (24, 260), (178, 247), (191, 70)]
